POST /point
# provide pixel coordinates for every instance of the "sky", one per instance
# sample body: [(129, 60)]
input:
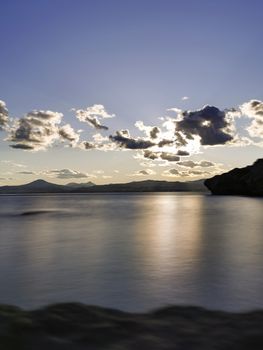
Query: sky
[(119, 90)]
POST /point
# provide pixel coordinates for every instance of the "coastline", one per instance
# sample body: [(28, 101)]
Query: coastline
[(78, 326)]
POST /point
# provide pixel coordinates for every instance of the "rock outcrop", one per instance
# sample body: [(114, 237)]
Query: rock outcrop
[(76, 326), (246, 181)]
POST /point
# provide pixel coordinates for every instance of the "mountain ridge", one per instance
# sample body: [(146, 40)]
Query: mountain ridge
[(42, 186)]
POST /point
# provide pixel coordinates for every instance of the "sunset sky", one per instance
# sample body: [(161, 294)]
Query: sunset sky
[(128, 90)]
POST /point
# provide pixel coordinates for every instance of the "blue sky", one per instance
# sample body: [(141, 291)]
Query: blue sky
[(137, 59)]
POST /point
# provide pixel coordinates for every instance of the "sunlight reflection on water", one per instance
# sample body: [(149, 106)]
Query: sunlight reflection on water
[(132, 251)]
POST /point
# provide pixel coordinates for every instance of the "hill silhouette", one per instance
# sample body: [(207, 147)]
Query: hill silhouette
[(42, 186), (239, 181)]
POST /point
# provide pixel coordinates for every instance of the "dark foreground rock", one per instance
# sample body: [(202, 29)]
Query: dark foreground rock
[(246, 181), (75, 326)]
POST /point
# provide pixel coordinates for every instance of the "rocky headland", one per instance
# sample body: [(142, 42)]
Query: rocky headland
[(246, 181)]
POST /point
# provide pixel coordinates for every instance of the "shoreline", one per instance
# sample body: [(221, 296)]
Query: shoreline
[(78, 326)]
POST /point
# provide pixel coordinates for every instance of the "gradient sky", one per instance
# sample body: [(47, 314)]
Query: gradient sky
[(136, 58)]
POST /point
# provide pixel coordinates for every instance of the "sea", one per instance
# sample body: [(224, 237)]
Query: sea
[(132, 251)]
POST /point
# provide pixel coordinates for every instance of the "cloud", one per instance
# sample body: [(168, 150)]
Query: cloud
[(180, 139), (144, 172), (3, 115), (10, 163), (37, 130), (24, 147), (150, 131), (151, 155), (66, 174), (26, 172), (124, 140), (87, 145), (165, 142), (69, 134), (189, 173), (154, 132), (182, 153), (198, 172), (177, 137), (92, 116), (172, 172), (169, 143), (185, 98), (6, 178), (170, 157), (100, 143), (100, 138), (209, 123), (254, 110), (191, 164)]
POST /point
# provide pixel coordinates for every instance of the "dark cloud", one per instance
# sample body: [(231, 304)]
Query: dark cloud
[(170, 157), (206, 163), (26, 172), (165, 142), (3, 115), (92, 116), (88, 145), (182, 153), (180, 139), (144, 172), (150, 155), (191, 164), (68, 133), (211, 124), (123, 139), (96, 123), (154, 132), (22, 146), (151, 132)]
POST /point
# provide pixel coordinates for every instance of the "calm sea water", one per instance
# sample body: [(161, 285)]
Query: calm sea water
[(132, 251)]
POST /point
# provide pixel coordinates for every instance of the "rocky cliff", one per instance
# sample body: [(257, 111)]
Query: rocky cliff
[(240, 181)]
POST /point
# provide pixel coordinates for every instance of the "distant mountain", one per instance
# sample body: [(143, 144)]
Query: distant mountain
[(38, 186), (149, 186), (41, 186), (77, 185), (240, 181)]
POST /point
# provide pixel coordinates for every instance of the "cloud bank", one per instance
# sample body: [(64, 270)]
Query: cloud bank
[(170, 141)]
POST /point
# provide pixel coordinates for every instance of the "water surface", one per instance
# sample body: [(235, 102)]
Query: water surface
[(132, 251)]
